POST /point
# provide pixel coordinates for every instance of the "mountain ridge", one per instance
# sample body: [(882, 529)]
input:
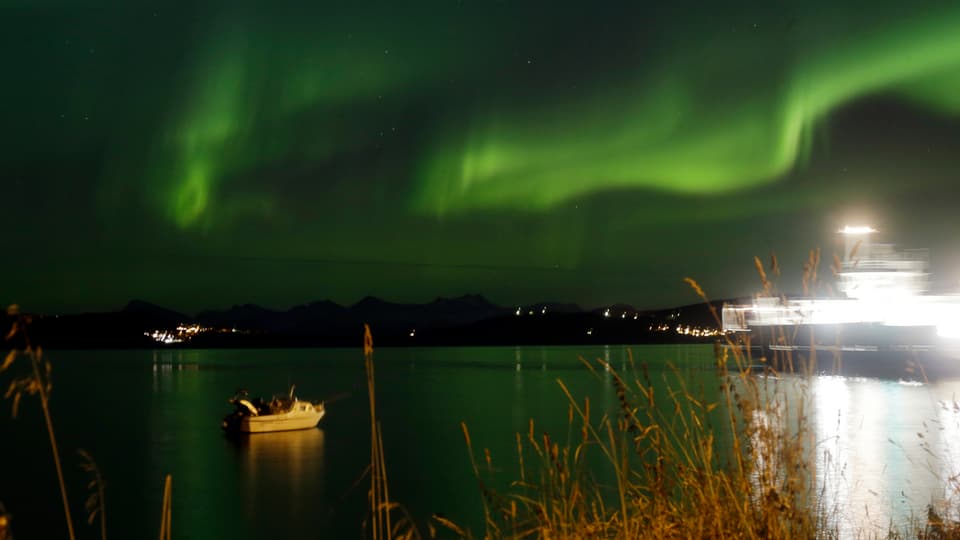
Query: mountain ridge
[(464, 320)]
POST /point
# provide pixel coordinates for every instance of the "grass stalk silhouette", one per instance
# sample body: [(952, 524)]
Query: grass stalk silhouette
[(381, 521), (166, 511), (37, 382), (96, 504)]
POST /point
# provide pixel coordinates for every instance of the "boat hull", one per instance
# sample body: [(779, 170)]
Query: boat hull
[(306, 417)]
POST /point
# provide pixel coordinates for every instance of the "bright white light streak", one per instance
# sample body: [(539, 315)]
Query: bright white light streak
[(857, 229)]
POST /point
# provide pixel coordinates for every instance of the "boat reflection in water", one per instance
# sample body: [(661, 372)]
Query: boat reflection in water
[(283, 473)]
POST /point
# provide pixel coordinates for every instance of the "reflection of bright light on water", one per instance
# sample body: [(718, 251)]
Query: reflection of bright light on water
[(948, 450), (885, 450), (831, 410), (518, 411), (168, 367), (949, 428), (863, 474), (868, 428)]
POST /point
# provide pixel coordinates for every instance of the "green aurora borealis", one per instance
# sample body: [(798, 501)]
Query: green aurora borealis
[(204, 155)]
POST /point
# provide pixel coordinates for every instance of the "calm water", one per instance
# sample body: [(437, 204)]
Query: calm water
[(884, 447)]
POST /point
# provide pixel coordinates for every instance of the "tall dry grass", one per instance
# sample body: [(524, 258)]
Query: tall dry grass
[(675, 465), (677, 462)]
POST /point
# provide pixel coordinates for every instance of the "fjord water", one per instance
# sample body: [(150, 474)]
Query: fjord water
[(885, 448)]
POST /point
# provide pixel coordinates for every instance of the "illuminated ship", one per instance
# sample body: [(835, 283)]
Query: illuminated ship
[(883, 323)]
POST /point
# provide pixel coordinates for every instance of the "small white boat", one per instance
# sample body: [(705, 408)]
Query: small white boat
[(279, 414)]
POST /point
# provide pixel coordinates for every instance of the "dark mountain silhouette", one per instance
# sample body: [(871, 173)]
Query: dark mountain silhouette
[(154, 314), (440, 312), (464, 320), (246, 316), (315, 316)]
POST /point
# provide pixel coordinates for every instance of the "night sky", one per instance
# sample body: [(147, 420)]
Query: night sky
[(204, 154)]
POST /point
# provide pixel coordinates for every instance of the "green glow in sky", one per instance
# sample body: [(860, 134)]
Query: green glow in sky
[(732, 106), (688, 132), (218, 152)]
